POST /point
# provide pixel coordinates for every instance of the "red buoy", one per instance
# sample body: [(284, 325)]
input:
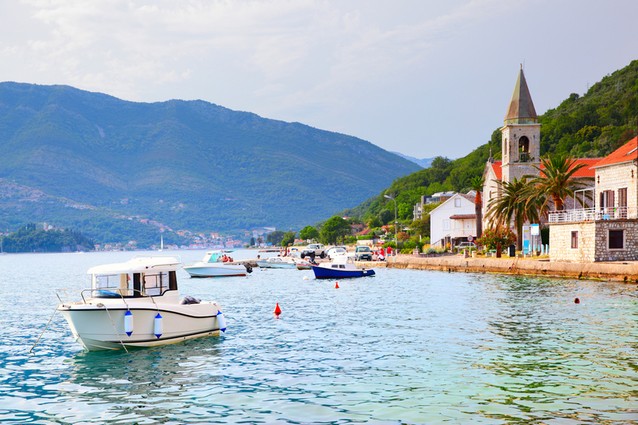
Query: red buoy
[(576, 300), (337, 285), (277, 310)]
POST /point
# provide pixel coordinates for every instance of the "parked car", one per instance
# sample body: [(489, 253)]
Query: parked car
[(465, 245), (336, 251), (314, 250), (363, 253)]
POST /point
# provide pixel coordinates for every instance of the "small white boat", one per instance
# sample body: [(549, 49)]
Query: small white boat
[(137, 304), (213, 265), (277, 263)]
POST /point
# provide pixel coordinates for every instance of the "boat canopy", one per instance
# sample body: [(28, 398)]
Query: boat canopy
[(137, 265)]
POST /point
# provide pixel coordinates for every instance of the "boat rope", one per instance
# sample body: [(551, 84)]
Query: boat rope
[(113, 324), (43, 330)]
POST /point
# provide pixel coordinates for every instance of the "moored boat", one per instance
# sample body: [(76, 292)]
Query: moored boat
[(217, 264), (340, 268), (137, 304), (277, 263)]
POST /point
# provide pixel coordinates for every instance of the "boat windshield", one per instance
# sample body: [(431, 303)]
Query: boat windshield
[(112, 285)]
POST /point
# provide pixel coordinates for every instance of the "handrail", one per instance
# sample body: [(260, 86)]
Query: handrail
[(593, 214)]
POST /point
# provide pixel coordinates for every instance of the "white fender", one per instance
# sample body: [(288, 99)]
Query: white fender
[(128, 322), (221, 321), (157, 325)]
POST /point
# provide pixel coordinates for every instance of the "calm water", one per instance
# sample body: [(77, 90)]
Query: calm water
[(402, 347)]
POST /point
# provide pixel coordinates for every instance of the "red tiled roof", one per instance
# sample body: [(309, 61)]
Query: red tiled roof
[(463, 217), (625, 153), (586, 171), (498, 171)]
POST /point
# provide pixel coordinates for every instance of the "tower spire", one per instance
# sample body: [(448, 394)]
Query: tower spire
[(521, 108)]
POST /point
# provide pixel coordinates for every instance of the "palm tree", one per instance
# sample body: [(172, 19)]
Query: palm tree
[(556, 180), (477, 185), (516, 202)]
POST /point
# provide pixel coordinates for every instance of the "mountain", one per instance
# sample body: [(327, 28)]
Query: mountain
[(111, 168), (423, 162), (588, 126)]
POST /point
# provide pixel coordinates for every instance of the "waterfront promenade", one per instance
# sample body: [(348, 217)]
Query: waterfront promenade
[(625, 271)]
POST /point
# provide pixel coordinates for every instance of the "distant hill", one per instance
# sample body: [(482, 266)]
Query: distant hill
[(588, 126), (115, 169), (423, 163)]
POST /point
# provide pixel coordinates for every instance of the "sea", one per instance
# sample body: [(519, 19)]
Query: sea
[(402, 347)]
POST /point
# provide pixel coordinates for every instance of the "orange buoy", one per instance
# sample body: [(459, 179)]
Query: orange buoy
[(277, 310), (576, 300), (336, 285)]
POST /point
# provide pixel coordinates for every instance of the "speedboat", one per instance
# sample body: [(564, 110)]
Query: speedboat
[(340, 268), (277, 263), (214, 265), (137, 304)]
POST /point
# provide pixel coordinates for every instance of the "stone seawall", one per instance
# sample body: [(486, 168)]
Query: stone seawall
[(613, 271)]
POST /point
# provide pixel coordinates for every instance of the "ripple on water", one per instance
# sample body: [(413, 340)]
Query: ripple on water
[(411, 346)]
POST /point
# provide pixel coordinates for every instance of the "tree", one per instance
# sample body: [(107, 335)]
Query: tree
[(477, 185), (334, 229), (517, 202), (496, 238), (275, 237), (556, 180), (288, 239), (309, 233)]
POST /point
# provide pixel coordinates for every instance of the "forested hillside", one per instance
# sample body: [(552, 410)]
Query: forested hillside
[(120, 171), (586, 126)]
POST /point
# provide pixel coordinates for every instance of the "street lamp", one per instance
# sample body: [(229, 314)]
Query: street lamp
[(396, 242)]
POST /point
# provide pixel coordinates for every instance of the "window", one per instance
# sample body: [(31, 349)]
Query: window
[(457, 202), (622, 203), (523, 145), (607, 203), (616, 239), (155, 284), (575, 239), (446, 224)]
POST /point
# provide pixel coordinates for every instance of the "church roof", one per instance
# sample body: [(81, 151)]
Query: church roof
[(586, 171), (521, 109), (625, 153)]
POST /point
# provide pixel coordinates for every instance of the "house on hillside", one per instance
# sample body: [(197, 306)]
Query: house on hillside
[(454, 221), (609, 230)]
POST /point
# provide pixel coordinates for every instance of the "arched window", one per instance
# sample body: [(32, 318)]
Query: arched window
[(523, 149)]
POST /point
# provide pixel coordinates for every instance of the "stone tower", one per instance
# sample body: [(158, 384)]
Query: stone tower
[(521, 142)]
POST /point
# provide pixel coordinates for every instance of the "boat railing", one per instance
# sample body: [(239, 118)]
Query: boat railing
[(116, 293)]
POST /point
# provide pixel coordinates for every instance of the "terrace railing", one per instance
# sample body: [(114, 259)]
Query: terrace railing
[(592, 214)]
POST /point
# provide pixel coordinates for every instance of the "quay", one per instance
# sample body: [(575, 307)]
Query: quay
[(620, 271)]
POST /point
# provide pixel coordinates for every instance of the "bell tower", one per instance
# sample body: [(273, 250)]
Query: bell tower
[(521, 134)]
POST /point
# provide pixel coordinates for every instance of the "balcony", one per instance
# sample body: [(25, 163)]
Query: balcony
[(592, 214)]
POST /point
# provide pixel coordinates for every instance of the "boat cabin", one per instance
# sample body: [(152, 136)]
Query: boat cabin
[(139, 277)]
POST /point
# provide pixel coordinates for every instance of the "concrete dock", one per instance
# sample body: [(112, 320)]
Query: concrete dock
[(625, 271)]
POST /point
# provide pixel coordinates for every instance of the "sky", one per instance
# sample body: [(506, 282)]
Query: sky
[(424, 78)]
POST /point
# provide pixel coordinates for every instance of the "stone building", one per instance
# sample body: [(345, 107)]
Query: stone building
[(609, 230)]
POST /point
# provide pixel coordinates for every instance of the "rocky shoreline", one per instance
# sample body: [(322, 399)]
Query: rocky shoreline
[(625, 271)]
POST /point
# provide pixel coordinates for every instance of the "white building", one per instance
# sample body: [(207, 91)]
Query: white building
[(453, 221)]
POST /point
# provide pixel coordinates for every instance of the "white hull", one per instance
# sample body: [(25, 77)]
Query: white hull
[(203, 269), (99, 324)]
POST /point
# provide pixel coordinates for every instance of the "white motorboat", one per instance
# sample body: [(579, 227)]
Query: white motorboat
[(137, 304), (277, 263), (217, 264)]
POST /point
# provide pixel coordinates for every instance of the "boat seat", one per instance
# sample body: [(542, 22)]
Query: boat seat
[(101, 293), (189, 300)]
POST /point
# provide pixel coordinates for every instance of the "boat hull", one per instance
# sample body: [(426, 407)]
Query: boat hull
[(328, 273), (98, 326), (221, 270)]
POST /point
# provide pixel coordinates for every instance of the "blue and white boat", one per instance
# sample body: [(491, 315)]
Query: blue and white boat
[(340, 268)]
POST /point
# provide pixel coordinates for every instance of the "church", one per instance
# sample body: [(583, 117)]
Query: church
[(604, 231)]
